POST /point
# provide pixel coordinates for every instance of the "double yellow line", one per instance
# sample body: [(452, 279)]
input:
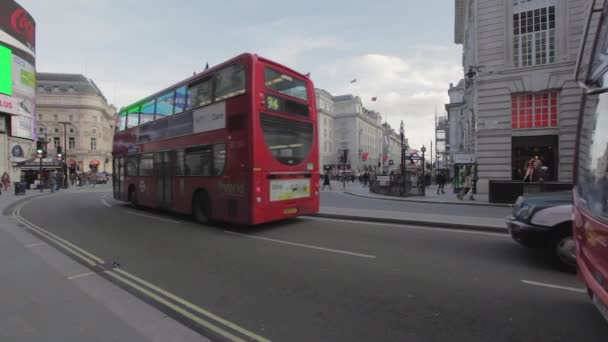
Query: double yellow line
[(203, 317)]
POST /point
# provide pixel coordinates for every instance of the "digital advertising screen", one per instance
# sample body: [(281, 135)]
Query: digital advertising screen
[(17, 68)]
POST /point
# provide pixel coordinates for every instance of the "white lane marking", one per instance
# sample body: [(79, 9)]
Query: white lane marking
[(36, 244), (361, 255), (81, 275), (152, 217), (396, 225), (106, 203), (553, 286)]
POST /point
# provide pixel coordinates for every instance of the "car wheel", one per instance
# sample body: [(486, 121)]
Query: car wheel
[(564, 248)]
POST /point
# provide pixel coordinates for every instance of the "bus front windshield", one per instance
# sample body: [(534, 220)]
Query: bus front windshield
[(285, 84)]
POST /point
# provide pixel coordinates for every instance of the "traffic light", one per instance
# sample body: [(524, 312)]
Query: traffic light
[(40, 152), (59, 154)]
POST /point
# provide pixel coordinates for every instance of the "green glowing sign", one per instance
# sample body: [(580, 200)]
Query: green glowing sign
[(6, 63), (28, 78), (272, 103)]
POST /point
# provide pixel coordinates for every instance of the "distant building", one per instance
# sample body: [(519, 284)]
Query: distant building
[(344, 124), (89, 120), (518, 60), (392, 148), (442, 146)]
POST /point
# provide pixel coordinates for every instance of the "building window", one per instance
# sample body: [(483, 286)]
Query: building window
[(534, 110), (55, 117), (93, 144), (40, 116), (71, 143), (71, 118), (71, 130), (56, 142), (534, 37), (56, 130), (41, 129), (94, 131)]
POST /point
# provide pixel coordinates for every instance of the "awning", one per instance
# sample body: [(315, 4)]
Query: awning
[(94, 162)]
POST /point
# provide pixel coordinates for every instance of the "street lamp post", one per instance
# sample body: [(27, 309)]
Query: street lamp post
[(65, 152), (423, 150), (402, 134)]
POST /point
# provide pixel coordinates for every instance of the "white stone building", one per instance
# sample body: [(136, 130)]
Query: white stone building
[(328, 152), (89, 118), (518, 60), (344, 124)]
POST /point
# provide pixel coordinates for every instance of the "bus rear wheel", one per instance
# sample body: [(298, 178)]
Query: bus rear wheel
[(200, 207)]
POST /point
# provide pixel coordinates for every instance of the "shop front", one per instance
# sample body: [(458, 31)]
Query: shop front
[(32, 169)]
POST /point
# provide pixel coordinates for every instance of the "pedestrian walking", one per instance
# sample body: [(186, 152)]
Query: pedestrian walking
[(60, 179), (365, 179), (440, 183), (467, 185), (53, 180), (326, 181), (92, 179), (72, 178), (6, 180)]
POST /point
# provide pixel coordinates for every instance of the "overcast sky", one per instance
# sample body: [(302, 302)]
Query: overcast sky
[(401, 51)]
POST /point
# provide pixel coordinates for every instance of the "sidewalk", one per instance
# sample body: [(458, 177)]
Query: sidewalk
[(431, 196), (47, 296), (435, 220)]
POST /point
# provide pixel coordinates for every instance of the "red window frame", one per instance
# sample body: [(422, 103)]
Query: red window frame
[(538, 110)]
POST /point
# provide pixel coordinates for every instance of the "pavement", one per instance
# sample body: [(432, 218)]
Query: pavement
[(318, 279), (431, 196), (48, 296), (356, 203)]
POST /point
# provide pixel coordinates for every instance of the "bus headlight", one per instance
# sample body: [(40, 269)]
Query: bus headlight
[(258, 199)]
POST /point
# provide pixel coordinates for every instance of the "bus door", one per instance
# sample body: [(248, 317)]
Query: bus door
[(118, 177), (162, 163)]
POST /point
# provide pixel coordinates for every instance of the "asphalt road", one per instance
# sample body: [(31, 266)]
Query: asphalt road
[(325, 280), (338, 199)]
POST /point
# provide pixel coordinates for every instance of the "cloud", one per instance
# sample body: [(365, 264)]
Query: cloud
[(407, 88)]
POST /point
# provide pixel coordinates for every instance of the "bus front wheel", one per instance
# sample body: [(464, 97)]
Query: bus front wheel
[(200, 207)]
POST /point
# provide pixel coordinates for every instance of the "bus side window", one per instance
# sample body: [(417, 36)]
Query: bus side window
[(219, 159), (122, 121), (230, 82), (199, 94), (178, 160), (132, 165), (198, 161), (164, 104), (133, 117), (146, 165), (181, 95)]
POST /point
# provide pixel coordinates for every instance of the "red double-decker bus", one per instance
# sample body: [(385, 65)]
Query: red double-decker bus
[(235, 143), (591, 191)]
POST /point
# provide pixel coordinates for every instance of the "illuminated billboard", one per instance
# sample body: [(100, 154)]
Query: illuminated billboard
[(17, 68)]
